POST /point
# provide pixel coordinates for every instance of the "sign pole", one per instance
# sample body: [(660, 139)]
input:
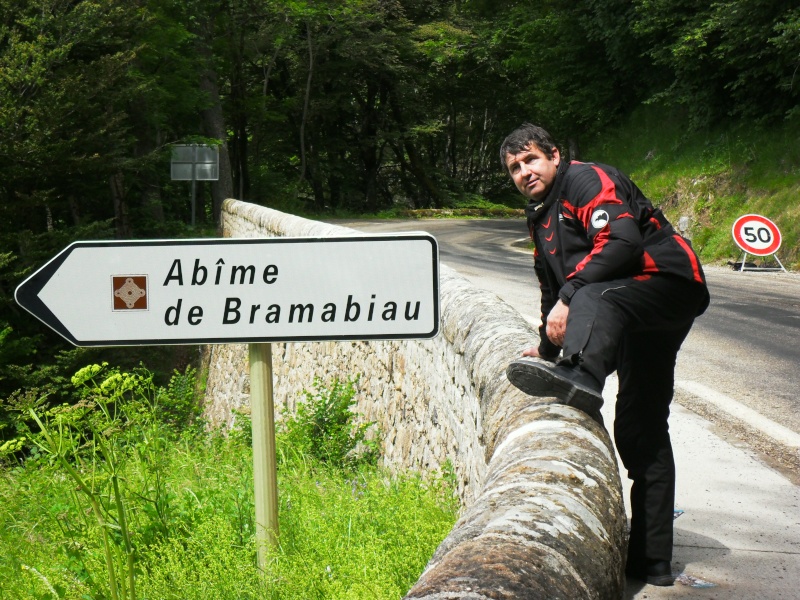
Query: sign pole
[(194, 181), (264, 460), (194, 185)]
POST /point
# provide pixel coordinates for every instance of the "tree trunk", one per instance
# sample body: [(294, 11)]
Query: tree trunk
[(121, 218), (370, 150), (405, 170), (214, 124), (259, 124), (150, 180), (74, 210), (306, 100), (214, 121), (574, 154), (415, 164), (153, 204), (239, 118)]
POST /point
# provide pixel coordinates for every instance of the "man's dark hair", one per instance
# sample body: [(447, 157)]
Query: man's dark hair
[(522, 137)]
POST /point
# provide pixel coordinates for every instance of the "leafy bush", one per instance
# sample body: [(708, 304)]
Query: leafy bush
[(325, 427)]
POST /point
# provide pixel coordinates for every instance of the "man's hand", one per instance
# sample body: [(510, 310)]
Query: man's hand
[(557, 323), (534, 352)]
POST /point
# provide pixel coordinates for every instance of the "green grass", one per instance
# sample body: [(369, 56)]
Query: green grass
[(712, 176), (348, 529)]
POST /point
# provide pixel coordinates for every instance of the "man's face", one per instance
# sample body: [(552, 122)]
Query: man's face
[(533, 173)]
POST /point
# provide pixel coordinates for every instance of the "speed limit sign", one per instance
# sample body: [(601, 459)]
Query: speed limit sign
[(756, 235)]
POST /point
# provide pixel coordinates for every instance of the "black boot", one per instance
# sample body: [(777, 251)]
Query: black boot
[(654, 572), (571, 385)]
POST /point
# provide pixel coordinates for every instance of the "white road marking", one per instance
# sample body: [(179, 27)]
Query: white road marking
[(738, 410)]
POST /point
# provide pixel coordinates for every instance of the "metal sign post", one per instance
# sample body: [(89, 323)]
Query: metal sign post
[(256, 291), (194, 162)]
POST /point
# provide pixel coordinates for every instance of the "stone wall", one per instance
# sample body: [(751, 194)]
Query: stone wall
[(543, 513), (419, 392)]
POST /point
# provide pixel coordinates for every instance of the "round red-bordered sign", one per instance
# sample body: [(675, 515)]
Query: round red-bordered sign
[(756, 235)]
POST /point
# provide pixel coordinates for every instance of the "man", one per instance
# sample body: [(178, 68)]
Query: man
[(620, 290)]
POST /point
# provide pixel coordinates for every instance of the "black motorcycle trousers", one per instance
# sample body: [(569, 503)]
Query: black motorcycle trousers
[(636, 326)]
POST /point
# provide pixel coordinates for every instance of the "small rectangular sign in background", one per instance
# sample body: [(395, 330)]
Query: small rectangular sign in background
[(239, 290), (196, 162)]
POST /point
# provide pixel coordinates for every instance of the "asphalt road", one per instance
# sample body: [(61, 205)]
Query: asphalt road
[(739, 365)]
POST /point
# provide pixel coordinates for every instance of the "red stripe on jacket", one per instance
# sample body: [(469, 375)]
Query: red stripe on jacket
[(607, 195), (600, 240), (692, 258)]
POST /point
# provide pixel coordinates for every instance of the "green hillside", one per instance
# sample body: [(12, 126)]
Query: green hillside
[(713, 176)]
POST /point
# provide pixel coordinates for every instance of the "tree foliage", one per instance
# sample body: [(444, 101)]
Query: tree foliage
[(358, 105), (732, 58), (322, 106)]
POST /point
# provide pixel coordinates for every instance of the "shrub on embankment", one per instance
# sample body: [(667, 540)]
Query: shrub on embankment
[(125, 495)]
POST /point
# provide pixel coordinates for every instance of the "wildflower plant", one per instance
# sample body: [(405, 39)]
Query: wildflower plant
[(115, 423)]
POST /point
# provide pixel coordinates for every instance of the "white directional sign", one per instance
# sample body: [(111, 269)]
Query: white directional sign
[(239, 290), (756, 235)]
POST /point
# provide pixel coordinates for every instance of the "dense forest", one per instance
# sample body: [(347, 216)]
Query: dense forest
[(331, 107)]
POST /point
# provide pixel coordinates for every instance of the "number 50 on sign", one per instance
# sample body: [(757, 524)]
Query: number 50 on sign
[(756, 235)]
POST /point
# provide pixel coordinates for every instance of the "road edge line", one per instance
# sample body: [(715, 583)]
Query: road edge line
[(736, 409)]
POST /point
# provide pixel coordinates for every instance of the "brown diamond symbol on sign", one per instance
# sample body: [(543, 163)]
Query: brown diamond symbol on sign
[(130, 292)]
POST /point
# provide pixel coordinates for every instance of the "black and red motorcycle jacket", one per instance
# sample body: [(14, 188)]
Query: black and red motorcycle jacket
[(596, 225)]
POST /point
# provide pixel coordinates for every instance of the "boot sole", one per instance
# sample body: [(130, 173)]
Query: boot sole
[(541, 382), (661, 580)]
